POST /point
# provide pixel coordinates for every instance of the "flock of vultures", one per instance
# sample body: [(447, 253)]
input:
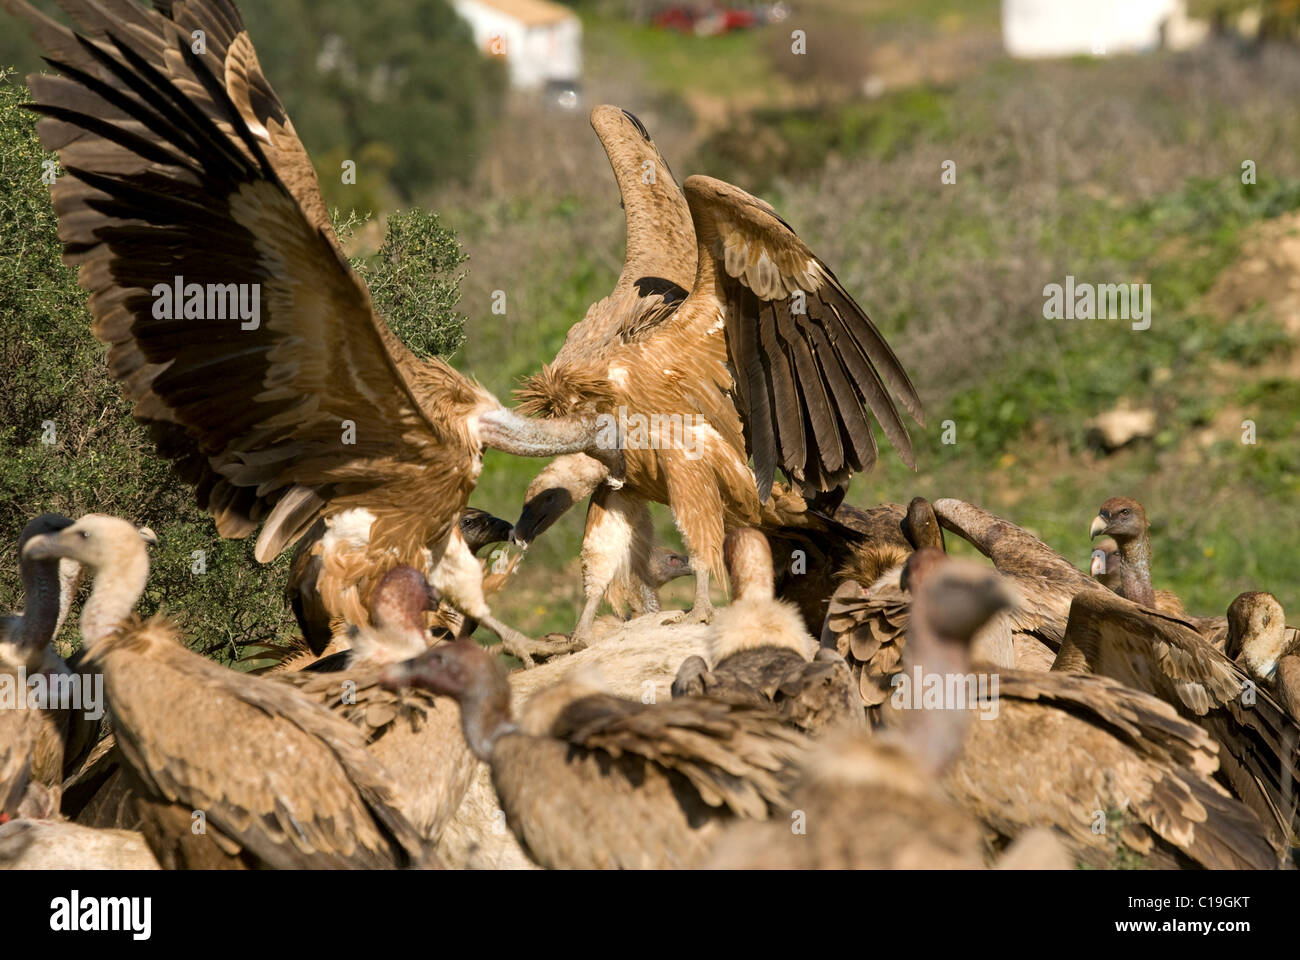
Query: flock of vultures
[(863, 701)]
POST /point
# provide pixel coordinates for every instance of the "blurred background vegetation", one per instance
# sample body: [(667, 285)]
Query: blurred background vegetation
[(1123, 169)]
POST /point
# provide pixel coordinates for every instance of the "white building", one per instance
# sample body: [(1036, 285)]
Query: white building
[(1062, 28), (540, 41)]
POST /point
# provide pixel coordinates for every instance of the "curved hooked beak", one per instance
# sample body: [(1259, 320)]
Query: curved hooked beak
[(1099, 525), (539, 513), (1098, 563), (45, 546)]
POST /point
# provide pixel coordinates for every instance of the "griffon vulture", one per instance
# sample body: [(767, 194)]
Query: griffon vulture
[(268, 379), (725, 338)]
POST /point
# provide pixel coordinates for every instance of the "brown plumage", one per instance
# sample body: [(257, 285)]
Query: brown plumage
[(1161, 655), (761, 654), (1044, 581), (589, 780), (867, 619), (869, 804), (725, 321), (1260, 641), (1108, 569), (279, 781), (184, 173), (413, 734), (1109, 768)]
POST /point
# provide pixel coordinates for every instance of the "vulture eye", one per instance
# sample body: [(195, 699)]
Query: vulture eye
[(84, 534)]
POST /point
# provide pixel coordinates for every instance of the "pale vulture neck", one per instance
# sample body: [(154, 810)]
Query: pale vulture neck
[(935, 735), (485, 719), (117, 589)]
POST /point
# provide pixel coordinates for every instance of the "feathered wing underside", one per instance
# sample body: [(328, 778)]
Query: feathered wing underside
[(735, 756), (294, 785), (658, 268), (809, 364), (180, 165), (1163, 656)]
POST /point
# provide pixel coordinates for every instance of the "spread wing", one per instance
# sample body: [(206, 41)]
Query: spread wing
[(1165, 657), (740, 757), (807, 361), (659, 266), (234, 323)]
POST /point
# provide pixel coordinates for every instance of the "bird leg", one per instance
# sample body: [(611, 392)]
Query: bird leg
[(525, 648), (598, 437), (607, 547), (702, 609)]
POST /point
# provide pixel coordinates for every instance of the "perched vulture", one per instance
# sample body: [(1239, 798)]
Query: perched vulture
[(760, 653), (724, 338), (228, 770), (234, 322), (1259, 744), (589, 781), (875, 803), (39, 745), (1127, 569), (1260, 641)]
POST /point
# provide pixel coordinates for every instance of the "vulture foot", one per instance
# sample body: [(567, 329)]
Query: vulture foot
[(529, 650)]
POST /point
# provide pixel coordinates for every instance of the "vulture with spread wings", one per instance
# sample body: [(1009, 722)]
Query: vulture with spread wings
[(184, 174), (725, 338)]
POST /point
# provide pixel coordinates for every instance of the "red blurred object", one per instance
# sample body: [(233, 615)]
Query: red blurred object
[(706, 21)]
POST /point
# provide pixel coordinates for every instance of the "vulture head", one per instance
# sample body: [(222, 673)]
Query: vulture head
[(1105, 562), (480, 528), (1122, 518), (565, 481), (954, 597), (1257, 632), (397, 606), (97, 540), (666, 566), (921, 526), (23, 638), (919, 566), (469, 675)]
